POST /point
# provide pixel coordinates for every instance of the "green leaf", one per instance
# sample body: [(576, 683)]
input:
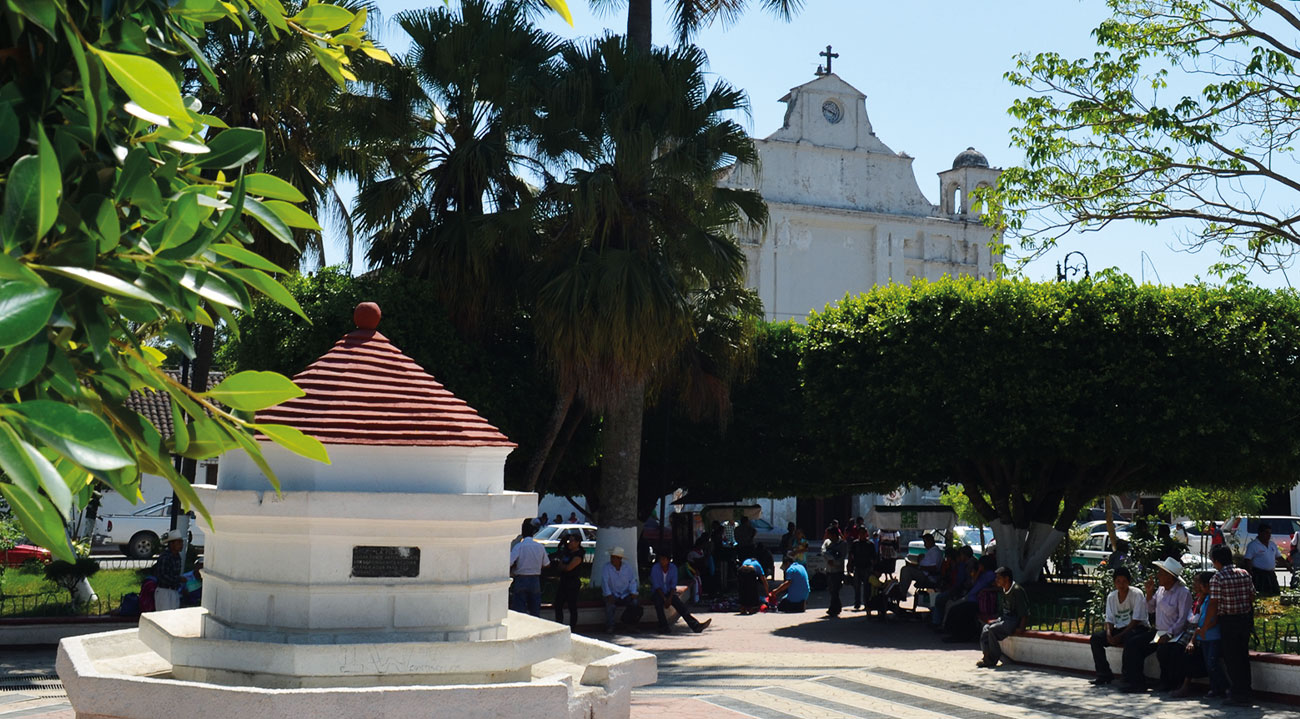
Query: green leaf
[(28, 469), (8, 130), (232, 148), (267, 285), (295, 441), (253, 390), (180, 432), (42, 13), (40, 521), (323, 18), (148, 84), (208, 440), (214, 288), (76, 434), (264, 185), (107, 223), (270, 221), (21, 364), (247, 257), (292, 216), (32, 191), (11, 269), (562, 8), (24, 310), (105, 282), (182, 222)]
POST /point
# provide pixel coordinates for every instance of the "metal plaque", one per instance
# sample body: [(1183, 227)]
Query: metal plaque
[(385, 561)]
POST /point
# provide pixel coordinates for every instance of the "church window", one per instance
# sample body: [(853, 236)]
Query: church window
[(832, 111)]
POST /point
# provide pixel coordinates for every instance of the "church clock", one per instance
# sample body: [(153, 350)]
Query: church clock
[(832, 111)]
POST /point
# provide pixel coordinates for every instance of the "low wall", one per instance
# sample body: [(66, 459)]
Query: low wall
[(52, 630), (592, 614), (1277, 674)]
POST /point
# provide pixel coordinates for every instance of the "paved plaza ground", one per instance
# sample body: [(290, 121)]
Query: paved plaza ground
[(792, 666)]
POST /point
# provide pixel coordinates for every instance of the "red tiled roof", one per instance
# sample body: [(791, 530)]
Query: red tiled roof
[(365, 391), (156, 406)]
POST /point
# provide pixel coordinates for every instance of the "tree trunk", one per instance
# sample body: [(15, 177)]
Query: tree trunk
[(640, 21), (1110, 520), (1025, 551), (553, 425), (620, 465)]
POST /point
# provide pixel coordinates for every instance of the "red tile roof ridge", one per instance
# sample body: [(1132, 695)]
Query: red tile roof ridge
[(364, 390)]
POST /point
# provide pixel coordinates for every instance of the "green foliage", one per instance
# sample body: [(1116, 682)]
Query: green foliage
[(125, 219), (1185, 113), (767, 448), (1045, 395), (954, 495), (67, 575), (1212, 503)]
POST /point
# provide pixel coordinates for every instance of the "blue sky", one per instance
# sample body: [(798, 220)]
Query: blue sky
[(932, 71)]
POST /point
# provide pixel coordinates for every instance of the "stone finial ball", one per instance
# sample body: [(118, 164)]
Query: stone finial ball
[(367, 315)]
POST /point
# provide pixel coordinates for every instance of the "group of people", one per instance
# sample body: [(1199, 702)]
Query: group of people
[(545, 520), (619, 585), (1197, 632)]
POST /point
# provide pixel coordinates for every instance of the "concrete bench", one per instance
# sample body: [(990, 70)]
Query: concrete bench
[(1277, 674)]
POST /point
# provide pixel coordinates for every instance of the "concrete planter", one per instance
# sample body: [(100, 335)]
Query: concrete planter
[(1277, 674)]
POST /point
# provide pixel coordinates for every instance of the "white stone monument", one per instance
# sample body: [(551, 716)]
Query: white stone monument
[(376, 585)]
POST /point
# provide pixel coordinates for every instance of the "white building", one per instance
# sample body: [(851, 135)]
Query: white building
[(846, 212)]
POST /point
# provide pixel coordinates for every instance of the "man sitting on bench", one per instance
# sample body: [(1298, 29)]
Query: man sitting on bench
[(924, 573)]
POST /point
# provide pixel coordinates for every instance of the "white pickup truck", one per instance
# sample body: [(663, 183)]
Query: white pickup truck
[(136, 533)]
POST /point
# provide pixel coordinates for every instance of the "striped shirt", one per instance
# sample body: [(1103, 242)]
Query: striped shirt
[(1234, 590)]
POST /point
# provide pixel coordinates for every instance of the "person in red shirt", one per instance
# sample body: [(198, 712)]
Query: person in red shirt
[(1232, 602)]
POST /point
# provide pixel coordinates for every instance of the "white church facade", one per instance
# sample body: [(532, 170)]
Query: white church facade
[(845, 211)]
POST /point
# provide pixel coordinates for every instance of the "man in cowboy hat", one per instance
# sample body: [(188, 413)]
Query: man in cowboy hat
[(620, 586), (167, 572), (1170, 606)]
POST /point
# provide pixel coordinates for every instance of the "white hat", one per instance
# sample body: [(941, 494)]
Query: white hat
[(616, 552), (1171, 565), (171, 536)]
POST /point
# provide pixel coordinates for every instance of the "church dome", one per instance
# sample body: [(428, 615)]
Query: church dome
[(970, 157)]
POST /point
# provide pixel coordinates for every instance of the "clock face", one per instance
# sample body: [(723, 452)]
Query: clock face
[(832, 111)]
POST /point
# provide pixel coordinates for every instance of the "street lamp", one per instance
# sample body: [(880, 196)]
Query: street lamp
[(1062, 274)]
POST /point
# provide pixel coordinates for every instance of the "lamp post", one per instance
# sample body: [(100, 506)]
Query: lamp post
[(1063, 273)]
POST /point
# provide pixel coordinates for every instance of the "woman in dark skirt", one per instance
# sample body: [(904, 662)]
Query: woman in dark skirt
[(568, 561)]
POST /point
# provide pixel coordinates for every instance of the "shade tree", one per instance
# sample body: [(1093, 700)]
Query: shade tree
[(1037, 398)]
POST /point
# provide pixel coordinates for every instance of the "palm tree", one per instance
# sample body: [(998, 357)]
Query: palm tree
[(638, 234), (454, 208), (316, 131), (689, 16)]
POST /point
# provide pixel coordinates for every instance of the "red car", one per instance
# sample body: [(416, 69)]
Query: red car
[(23, 553)]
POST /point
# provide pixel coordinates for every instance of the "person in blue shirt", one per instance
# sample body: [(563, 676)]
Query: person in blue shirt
[(663, 583), (749, 580), (1202, 648), (795, 588)]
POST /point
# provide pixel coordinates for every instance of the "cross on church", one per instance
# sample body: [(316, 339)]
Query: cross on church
[(829, 57)]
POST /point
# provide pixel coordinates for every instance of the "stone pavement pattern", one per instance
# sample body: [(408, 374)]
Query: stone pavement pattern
[(794, 666)]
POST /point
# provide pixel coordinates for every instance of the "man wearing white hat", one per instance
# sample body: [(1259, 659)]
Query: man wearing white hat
[(618, 583), (167, 572), (1171, 607)]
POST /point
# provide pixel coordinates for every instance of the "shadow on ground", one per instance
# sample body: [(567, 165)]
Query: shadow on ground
[(855, 628)]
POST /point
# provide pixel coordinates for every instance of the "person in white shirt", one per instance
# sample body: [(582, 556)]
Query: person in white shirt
[(1126, 626), (926, 572), (1262, 556), (619, 585), (1170, 606), (527, 558)]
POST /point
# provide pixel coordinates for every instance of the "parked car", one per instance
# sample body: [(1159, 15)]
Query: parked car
[(549, 536), (965, 534), (766, 534), (136, 533), (22, 554), (1097, 548), (1238, 531)]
